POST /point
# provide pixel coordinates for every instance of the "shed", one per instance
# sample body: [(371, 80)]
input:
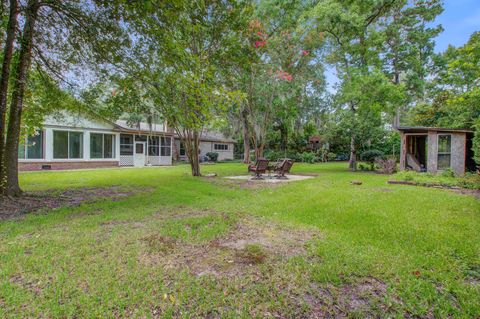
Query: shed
[(433, 149)]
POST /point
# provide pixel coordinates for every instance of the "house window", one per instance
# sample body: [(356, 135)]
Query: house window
[(165, 146), (153, 146), (444, 151), (67, 144), (31, 147), (220, 147), (182, 149), (126, 144), (102, 145)]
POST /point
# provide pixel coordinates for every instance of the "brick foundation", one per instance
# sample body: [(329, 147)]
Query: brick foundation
[(37, 166)]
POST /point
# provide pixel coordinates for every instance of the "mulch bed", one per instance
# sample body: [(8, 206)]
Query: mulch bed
[(456, 189), (41, 201)]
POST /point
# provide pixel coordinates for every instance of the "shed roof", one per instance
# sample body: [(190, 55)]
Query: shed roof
[(425, 129), (315, 138)]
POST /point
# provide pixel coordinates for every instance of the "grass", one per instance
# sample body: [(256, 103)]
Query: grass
[(383, 250)]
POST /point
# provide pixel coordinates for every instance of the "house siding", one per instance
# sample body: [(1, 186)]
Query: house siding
[(206, 147)]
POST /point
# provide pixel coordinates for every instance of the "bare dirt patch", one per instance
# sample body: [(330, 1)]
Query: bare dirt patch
[(38, 202), (252, 242), (364, 298)]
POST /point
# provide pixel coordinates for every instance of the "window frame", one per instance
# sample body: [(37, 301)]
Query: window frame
[(224, 147), (113, 149), (82, 153), (182, 150), (25, 147), (449, 153)]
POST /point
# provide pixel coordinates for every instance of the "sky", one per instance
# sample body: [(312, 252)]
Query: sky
[(459, 19)]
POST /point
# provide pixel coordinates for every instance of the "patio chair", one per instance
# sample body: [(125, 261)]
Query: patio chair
[(284, 168), (259, 168)]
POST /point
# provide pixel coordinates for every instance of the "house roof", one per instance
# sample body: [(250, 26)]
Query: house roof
[(315, 138), (213, 136), (425, 129), (142, 127)]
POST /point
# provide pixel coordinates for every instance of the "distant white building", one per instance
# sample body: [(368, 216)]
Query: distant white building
[(78, 141)]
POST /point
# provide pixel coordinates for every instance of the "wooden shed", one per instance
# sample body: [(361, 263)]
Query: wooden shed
[(433, 149)]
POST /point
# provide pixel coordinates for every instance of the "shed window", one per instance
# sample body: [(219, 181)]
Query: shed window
[(102, 145), (31, 147), (126, 144), (67, 144), (221, 147), (444, 151)]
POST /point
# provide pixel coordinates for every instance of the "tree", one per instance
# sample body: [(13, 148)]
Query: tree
[(181, 65), (454, 93), (16, 104), (56, 36), (408, 45), (355, 46), (4, 81)]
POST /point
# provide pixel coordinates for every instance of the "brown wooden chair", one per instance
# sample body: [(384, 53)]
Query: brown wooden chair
[(284, 168), (259, 168)]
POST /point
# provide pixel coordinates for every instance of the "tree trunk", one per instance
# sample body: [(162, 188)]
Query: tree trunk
[(246, 137), (283, 137), (352, 163), (259, 151), (4, 77), (194, 157), (15, 115)]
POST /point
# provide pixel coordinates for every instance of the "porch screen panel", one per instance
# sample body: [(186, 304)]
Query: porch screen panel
[(166, 146), (153, 146), (126, 144), (60, 144), (444, 151)]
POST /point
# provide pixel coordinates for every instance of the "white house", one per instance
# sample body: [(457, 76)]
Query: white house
[(209, 142), (77, 141)]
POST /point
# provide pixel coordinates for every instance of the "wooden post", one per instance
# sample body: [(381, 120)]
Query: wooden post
[(403, 150)]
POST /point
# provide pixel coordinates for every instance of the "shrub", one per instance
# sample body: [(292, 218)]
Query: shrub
[(274, 155), (386, 165), (212, 156), (308, 157), (448, 172), (331, 156), (364, 167), (370, 156)]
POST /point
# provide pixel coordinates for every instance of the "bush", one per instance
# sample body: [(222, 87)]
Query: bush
[(364, 167), (386, 165), (331, 156), (448, 172), (308, 157), (212, 156), (274, 155), (370, 156)]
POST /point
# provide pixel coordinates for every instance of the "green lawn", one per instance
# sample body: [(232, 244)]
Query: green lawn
[(332, 248)]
